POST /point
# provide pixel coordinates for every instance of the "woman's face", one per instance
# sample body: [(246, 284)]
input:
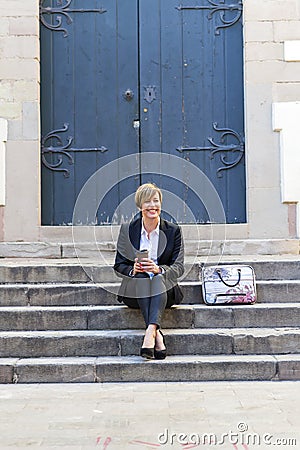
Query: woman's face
[(151, 209)]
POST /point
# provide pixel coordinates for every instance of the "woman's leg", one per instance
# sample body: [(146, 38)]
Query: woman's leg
[(158, 300), (143, 293)]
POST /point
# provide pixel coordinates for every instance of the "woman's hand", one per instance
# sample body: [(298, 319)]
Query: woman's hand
[(145, 265)]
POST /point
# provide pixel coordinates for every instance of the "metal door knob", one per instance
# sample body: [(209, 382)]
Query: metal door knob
[(128, 94)]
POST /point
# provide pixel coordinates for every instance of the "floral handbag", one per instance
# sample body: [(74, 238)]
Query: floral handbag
[(228, 284)]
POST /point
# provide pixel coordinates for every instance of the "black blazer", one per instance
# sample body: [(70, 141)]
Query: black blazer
[(170, 256)]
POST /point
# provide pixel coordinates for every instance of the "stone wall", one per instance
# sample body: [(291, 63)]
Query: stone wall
[(19, 105), (270, 77)]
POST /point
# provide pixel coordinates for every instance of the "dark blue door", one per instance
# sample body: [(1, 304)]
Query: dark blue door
[(133, 76)]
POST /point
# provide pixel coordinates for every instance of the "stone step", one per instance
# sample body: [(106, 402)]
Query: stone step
[(31, 318), (196, 243), (62, 271), (134, 368), (211, 341), (83, 294)]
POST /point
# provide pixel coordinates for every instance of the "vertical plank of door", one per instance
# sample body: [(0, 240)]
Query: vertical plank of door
[(236, 177), (47, 177), (150, 55), (197, 80), (85, 112), (63, 107)]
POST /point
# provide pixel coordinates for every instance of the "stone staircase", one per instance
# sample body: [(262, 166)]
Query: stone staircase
[(58, 325)]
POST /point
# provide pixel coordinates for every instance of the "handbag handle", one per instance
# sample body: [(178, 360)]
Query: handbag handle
[(226, 284)]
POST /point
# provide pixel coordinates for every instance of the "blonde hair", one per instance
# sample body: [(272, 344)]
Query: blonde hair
[(145, 192)]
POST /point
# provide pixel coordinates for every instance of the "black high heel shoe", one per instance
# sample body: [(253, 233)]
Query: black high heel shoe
[(147, 353), (161, 354)]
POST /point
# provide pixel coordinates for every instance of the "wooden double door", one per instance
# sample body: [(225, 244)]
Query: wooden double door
[(126, 77)]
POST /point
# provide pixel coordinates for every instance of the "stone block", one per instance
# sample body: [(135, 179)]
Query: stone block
[(19, 47), (38, 344), (263, 51), (268, 72), (286, 92), (276, 268), (267, 216), (10, 109), (29, 250), (258, 32), (4, 26), (6, 91), (288, 367), (7, 370), (13, 67), (97, 250), (54, 370), (23, 26), (266, 316), (271, 10), (39, 319), (26, 91), (185, 369), (213, 317), (13, 296), (15, 131), (43, 272), (115, 317), (280, 292), (22, 214), (31, 120), (72, 295), (182, 316), (286, 30), (266, 341), (198, 342), (3, 139), (19, 7)]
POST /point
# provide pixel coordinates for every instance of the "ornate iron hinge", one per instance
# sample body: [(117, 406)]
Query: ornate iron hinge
[(238, 148), (222, 8), (62, 150), (61, 10)]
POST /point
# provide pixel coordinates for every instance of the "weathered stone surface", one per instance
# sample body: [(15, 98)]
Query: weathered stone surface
[(120, 317), (213, 316), (199, 342), (133, 368), (37, 344), (278, 291), (73, 294), (186, 368), (13, 295), (55, 370), (88, 250), (29, 250), (243, 246), (7, 370), (68, 271), (35, 319), (288, 367), (267, 315), (60, 328), (266, 341)]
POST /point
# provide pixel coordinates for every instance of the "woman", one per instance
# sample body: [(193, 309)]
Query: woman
[(150, 283)]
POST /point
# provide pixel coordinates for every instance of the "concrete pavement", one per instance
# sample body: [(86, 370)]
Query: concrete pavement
[(145, 416)]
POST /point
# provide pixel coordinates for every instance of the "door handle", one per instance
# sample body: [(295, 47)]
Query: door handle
[(128, 95)]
